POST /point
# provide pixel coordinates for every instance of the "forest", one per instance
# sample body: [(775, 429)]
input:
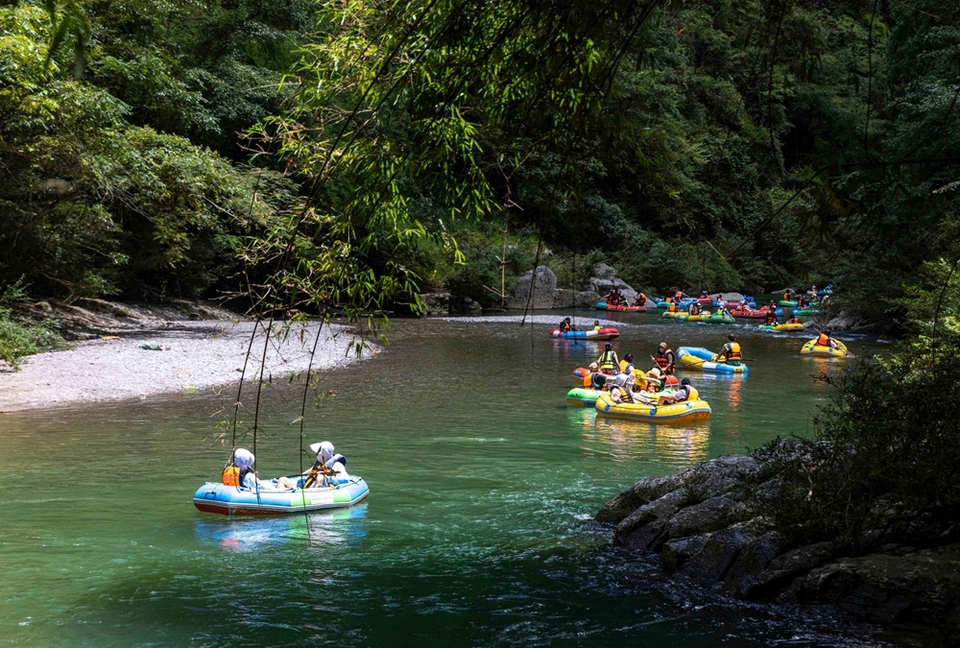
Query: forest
[(345, 151)]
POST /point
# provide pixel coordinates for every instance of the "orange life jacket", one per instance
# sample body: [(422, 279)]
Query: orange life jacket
[(231, 475), (663, 361), (823, 340)]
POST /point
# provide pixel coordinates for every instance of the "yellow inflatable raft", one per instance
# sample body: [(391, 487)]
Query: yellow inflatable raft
[(682, 412), (811, 348), (786, 326)]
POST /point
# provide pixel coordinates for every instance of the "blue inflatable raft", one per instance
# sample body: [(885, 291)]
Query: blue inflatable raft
[(705, 360), (215, 497)]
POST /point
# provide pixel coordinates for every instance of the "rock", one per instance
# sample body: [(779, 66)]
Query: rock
[(678, 551), (643, 492), (436, 303), (587, 299), (544, 288), (753, 559), (464, 305), (731, 296), (603, 271), (782, 571), (644, 529), (717, 555), (719, 476), (711, 515), (43, 306), (922, 587)]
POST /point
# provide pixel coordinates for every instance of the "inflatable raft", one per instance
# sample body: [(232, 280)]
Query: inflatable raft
[(718, 318), (795, 326), (811, 348), (582, 397), (597, 335), (748, 314), (216, 497), (705, 360), (682, 412), (621, 308)]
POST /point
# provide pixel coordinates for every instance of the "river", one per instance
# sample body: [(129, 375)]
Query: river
[(477, 531)]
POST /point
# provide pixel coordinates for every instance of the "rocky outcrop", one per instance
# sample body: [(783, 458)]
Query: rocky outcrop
[(707, 524), (846, 321), (464, 305), (539, 286), (435, 303), (564, 298)]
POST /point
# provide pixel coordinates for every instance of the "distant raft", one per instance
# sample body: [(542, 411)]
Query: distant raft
[(787, 326), (621, 308), (216, 497), (682, 412), (811, 348), (596, 335), (705, 360)]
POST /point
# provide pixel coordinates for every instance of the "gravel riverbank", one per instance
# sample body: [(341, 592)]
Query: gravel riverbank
[(183, 355)]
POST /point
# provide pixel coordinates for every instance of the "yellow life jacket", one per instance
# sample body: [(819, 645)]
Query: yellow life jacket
[(694, 394), (606, 361), (733, 355)]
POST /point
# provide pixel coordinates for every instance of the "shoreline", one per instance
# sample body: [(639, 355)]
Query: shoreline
[(181, 356)]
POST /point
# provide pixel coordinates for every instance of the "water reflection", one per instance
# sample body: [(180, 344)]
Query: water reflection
[(676, 446), (338, 526)]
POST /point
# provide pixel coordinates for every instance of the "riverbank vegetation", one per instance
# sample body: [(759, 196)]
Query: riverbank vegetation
[(152, 152)]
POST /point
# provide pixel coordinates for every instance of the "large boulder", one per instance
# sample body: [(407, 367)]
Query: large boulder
[(605, 279), (544, 288), (564, 298), (435, 303)]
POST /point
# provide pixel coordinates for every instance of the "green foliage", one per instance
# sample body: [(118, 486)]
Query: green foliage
[(91, 205), (882, 465), (22, 338)]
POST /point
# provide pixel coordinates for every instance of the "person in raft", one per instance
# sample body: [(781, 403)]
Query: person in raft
[(620, 392), (328, 464), (694, 308), (640, 299), (825, 340), (771, 317), (615, 297), (793, 319), (239, 472), (731, 351), (686, 392), (626, 365), (666, 359), (565, 325), (596, 325), (608, 362)]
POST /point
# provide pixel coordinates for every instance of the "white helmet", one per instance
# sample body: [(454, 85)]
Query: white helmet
[(243, 457), (324, 450)]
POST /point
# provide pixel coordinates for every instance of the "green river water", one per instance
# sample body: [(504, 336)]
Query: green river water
[(477, 530)]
